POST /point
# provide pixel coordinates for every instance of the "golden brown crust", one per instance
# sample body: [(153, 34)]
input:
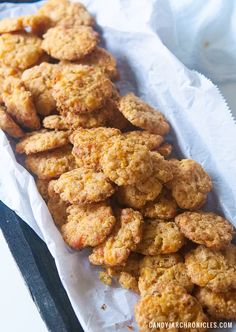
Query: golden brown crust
[(69, 43), (51, 164), (125, 162), (162, 169), (143, 115), (160, 237), (83, 186), (125, 236), (57, 208), (88, 226), (81, 89), (205, 228), (190, 184), (165, 149), (8, 124), (42, 140), (209, 268), (25, 55), (151, 141), (172, 305), (19, 103), (218, 305)]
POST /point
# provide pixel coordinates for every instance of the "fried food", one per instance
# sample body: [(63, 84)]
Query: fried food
[(42, 186), (55, 121), (57, 207), (81, 89), (25, 55), (42, 140), (160, 237), (156, 271), (124, 238), (205, 228), (210, 268), (173, 304), (125, 162), (136, 196), (102, 59), (88, 145), (165, 149), (83, 186), (70, 43), (143, 115), (9, 125), (190, 184), (66, 13), (218, 305), (162, 169), (88, 226), (163, 207), (19, 103), (51, 164), (151, 141), (38, 80)]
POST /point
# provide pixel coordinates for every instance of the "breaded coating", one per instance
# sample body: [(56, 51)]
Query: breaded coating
[(126, 162), (36, 24), (88, 226), (55, 121), (210, 268), (88, 145), (105, 278), (81, 89), (136, 196), (19, 103), (163, 207), (8, 124), (24, 55), (83, 186), (190, 185), (57, 207), (124, 238), (156, 271), (160, 237), (51, 164), (218, 305), (66, 13), (162, 169), (172, 305), (142, 115), (165, 149), (42, 140), (69, 43), (151, 141), (38, 80), (205, 228), (230, 254), (42, 186), (102, 59)]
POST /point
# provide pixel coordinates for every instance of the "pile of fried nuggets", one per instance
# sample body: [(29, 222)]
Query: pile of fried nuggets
[(102, 165)]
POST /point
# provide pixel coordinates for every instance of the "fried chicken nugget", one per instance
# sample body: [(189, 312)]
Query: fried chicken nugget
[(25, 55), (218, 305), (210, 268), (162, 168), (19, 103), (38, 80), (156, 271), (42, 186), (8, 124), (69, 43), (83, 186), (57, 207), (160, 237), (81, 89), (190, 184), (142, 115), (66, 13), (124, 238), (126, 162), (88, 226), (42, 140), (205, 228), (88, 145), (173, 304), (163, 207), (51, 164), (151, 141)]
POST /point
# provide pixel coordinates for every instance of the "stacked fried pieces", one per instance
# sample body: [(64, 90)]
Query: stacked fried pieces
[(103, 166)]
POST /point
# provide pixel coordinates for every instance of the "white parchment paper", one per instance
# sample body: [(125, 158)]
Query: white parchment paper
[(202, 129)]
